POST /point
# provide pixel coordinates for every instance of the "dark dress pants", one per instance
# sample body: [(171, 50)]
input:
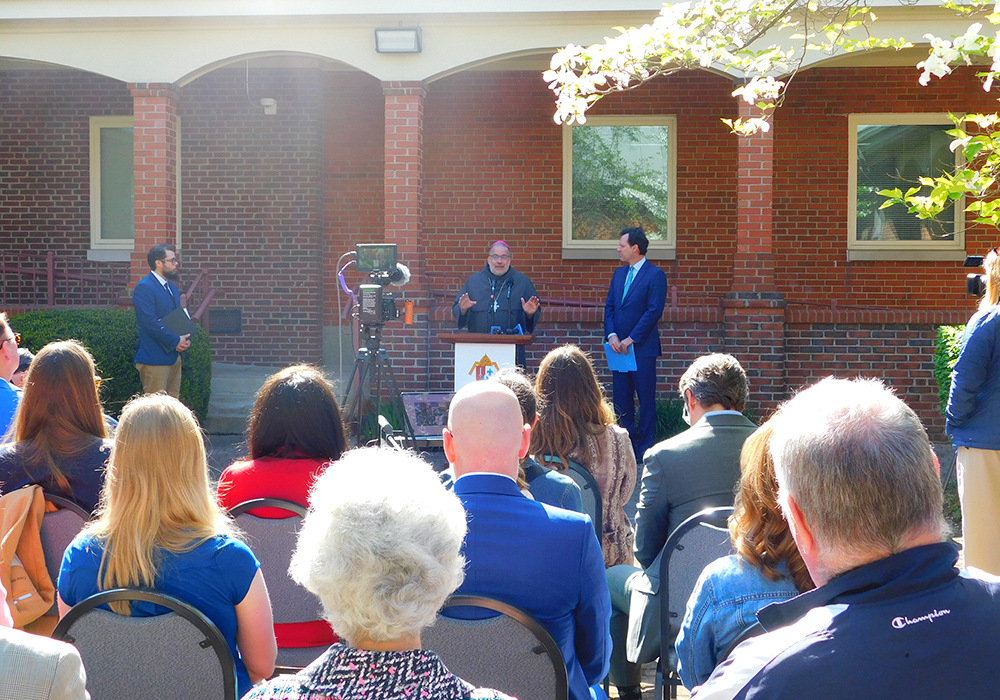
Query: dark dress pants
[(625, 385)]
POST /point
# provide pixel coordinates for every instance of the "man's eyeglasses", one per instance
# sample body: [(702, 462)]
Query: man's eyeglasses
[(493, 256), (16, 338)]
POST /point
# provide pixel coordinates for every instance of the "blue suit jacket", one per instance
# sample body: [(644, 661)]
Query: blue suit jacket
[(637, 315), (544, 560), (157, 345)]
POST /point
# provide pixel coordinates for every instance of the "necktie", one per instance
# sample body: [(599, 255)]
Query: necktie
[(628, 281)]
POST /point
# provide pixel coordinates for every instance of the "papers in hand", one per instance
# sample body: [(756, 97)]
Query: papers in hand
[(177, 321), (620, 362)]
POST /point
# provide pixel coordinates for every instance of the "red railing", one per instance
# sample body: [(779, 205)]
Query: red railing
[(48, 281), (30, 281), (200, 290)]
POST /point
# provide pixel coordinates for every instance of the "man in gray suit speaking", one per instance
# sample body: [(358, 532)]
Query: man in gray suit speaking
[(694, 470)]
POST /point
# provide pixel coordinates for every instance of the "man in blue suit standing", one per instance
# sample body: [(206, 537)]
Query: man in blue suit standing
[(158, 358), (635, 304), (545, 560)]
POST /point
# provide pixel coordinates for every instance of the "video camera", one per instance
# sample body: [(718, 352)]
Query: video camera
[(975, 285), (375, 303)]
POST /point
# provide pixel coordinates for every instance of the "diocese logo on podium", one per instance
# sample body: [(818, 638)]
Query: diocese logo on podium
[(485, 368)]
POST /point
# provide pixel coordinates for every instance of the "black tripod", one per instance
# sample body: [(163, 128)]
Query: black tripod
[(363, 399)]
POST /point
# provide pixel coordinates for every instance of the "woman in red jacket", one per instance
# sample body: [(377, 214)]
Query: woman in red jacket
[(295, 431)]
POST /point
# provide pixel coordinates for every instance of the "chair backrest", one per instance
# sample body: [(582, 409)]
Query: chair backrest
[(273, 541), (58, 530), (176, 656), (510, 652), (589, 491), (697, 542)]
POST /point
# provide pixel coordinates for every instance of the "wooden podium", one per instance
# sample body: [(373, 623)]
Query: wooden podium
[(479, 355)]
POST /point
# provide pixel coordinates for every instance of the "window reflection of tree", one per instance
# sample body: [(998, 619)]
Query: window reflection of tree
[(620, 178), (894, 155)]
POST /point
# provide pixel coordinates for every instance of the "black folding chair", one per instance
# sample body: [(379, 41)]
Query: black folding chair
[(696, 543), (593, 505), (273, 540), (510, 652), (175, 656)]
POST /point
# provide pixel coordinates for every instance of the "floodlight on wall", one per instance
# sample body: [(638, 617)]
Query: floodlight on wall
[(269, 104), (397, 40)]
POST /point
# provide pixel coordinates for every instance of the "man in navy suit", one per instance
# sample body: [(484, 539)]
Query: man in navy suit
[(545, 560), (158, 358), (634, 307)]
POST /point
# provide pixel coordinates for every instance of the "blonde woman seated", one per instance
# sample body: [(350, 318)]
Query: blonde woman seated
[(766, 568), (576, 423), (158, 526), (380, 547)]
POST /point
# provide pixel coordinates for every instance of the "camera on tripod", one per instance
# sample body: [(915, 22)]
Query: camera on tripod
[(375, 303)]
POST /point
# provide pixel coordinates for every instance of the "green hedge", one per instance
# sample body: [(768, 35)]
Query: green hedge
[(949, 341), (112, 336)]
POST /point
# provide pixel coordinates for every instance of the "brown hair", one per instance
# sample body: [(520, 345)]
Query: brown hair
[(759, 531), (571, 405), (296, 412), (59, 414)]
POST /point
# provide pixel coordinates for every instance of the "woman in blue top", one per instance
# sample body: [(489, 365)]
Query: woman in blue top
[(767, 568), (159, 526), (974, 426)]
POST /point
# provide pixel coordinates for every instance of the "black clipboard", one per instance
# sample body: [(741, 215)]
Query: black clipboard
[(177, 321)]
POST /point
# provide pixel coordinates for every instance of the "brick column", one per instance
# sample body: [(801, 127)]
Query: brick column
[(154, 110), (754, 324), (404, 153), (408, 346)]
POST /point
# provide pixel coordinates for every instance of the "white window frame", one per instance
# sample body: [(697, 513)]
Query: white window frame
[(116, 250), (602, 250), (896, 250)]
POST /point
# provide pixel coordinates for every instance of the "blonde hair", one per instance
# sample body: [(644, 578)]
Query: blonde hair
[(758, 529), (156, 493), (992, 295)]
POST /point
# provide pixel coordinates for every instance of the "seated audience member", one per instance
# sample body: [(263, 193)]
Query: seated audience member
[(543, 484), (576, 423), (295, 430), (60, 438), (380, 547), (681, 476), (892, 616), (544, 560), (25, 356), (10, 395), (766, 568), (159, 527)]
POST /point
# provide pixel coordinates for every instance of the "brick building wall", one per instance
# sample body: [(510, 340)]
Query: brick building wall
[(270, 203), (252, 203), (45, 180)]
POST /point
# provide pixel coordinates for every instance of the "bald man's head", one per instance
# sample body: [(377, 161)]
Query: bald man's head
[(485, 430)]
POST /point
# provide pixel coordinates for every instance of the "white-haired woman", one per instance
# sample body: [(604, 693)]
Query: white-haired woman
[(159, 526), (380, 547)]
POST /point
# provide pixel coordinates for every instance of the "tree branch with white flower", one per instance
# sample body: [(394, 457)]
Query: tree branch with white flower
[(723, 35), (976, 136)]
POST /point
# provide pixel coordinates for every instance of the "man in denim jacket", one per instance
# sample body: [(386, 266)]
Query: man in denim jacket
[(892, 616)]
